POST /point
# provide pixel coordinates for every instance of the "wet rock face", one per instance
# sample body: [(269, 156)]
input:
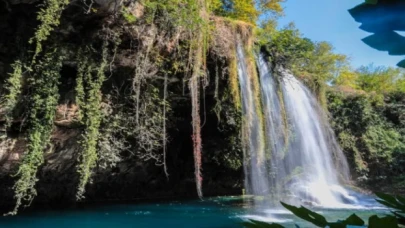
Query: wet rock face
[(132, 177), (17, 23), (15, 2), (109, 5)]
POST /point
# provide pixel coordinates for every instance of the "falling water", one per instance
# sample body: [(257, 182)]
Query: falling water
[(256, 180), (302, 162), (312, 149)]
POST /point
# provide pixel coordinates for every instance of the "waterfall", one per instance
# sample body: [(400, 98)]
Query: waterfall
[(256, 180), (312, 149), (301, 161)]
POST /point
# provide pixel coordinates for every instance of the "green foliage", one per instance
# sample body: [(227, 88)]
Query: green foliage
[(244, 10), (128, 16), (323, 62), (395, 202), (90, 86), (347, 78), (116, 128), (308, 215), (382, 143), (375, 80), (380, 79), (285, 46), (227, 154), (110, 144), (13, 85), (43, 84), (148, 132), (314, 62), (259, 224), (215, 6), (250, 10), (176, 13), (43, 100), (389, 221), (320, 221), (49, 18), (370, 133), (84, 69), (121, 132), (353, 220), (384, 37)]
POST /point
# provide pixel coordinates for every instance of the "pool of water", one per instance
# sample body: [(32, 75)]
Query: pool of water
[(217, 212)]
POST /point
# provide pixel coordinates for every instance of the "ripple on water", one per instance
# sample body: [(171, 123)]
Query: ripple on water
[(139, 213)]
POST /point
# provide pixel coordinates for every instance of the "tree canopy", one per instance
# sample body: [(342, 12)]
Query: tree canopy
[(249, 10), (371, 78)]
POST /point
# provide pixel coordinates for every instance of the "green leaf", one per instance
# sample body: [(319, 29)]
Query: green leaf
[(260, 224), (307, 215), (401, 64), (375, 17), (384, 222), (400, 198), (336, 225), (400, 218), (354, 220), (391, 201), (371, 1), (386, 197), (387, 41)]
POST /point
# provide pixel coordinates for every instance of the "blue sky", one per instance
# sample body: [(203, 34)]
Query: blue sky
[(329, 20)]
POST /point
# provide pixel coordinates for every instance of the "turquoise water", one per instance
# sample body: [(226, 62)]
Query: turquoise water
[(218, 212)]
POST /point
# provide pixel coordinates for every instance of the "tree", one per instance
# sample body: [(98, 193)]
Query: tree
[(379, 79), (286, 46), (347, 78), (322, 62), (250, 10)]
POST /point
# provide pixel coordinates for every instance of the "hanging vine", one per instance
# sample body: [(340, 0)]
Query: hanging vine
[(84, 68), (49, 18), (13, 85), (190, 21), (198, 50), (89, 98), (43, 99), (164, 135), (194, 86)]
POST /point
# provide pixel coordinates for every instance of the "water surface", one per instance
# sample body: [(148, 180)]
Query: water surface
[(217, 212)]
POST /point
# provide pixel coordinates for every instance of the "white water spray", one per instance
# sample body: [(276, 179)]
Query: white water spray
[(312, 149)]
